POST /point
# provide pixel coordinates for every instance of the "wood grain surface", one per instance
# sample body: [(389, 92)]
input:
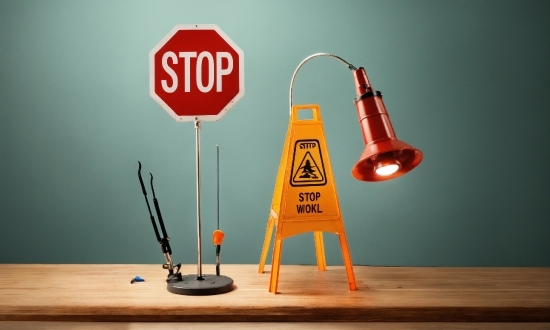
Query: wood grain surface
[(103, 293), (36, 325)]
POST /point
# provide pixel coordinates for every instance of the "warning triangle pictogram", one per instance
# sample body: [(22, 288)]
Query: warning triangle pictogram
[(308, 171)]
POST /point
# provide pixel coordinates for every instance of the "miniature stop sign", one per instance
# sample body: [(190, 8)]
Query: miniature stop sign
[(196, 73)]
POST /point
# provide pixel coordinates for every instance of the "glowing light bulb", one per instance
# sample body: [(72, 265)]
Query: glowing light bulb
[(387, 169)]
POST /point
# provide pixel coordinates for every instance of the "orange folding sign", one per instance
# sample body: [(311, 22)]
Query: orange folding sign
[(305, 198)]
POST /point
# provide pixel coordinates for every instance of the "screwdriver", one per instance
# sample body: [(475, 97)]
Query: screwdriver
[(217, 238)]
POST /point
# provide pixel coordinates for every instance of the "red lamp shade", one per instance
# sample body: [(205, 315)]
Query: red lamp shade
[(384, 157)]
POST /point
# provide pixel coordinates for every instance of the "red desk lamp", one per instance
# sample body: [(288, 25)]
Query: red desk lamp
[(385, 157)]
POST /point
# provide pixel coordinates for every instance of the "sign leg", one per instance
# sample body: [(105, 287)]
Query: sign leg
[(347, 260), (267, 241), (275, 265), (320, 251)]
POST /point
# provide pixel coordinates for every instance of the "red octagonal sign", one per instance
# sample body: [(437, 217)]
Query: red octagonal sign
[(196, 73)]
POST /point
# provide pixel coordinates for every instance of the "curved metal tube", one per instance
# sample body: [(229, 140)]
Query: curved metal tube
[(349, 65)]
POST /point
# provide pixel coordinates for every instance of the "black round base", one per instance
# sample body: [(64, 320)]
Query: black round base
[(209, 285)]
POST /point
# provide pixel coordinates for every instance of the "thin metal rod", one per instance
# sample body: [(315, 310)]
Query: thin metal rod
[(218, 182), (349, 65), (198, 155)]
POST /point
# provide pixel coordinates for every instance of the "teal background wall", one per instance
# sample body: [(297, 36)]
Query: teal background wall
[(467, 82)]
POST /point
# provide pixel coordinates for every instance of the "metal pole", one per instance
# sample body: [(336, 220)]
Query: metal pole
[(199, 255), (218, 183)]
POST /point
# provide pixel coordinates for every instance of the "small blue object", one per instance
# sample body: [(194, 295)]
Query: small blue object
[(136, 279)]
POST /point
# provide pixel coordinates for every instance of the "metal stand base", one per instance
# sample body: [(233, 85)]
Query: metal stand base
[(210, 285)]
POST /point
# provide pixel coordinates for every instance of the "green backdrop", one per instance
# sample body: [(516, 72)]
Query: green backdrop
[(467, 82)]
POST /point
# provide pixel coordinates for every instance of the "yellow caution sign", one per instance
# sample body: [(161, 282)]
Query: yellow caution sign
[(305, 198)]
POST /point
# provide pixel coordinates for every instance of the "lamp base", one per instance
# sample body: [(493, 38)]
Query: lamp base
[(209, 285)]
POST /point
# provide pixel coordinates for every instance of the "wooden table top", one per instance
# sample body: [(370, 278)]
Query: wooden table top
[(386, 294)]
